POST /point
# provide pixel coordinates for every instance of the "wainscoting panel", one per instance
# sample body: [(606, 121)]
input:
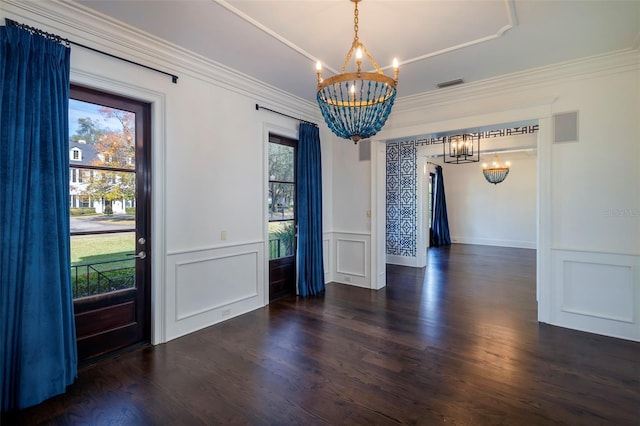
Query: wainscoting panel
[(207, 286), (597, 292), (352, 257), (196, 292), (326, 256)]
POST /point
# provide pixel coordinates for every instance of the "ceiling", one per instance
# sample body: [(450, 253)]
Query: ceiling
[(279, 41)]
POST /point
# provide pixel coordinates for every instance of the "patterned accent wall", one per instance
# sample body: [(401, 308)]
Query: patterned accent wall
[(401, 198)]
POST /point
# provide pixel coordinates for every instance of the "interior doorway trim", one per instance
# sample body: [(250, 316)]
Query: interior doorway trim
[(541, 112)]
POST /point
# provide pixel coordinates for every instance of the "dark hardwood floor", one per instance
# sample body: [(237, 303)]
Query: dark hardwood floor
[(454, 343)]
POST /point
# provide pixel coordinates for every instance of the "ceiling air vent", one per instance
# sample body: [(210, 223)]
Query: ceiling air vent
[(450, 83)]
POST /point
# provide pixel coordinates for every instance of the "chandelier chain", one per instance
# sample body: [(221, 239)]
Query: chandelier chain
[(355, 22)]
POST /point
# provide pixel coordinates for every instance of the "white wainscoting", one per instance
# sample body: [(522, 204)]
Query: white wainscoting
[(494, 242), (393, 259), (597, 292), (326, 256), (207, 286), (352, 258)]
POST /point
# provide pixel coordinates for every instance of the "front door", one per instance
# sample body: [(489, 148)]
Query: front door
[(282, 217), (110, 220)]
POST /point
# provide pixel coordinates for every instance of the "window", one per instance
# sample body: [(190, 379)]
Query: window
[(76, 154), (282, 197)]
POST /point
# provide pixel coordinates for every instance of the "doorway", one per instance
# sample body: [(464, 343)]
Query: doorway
[(109, 188), (282, 216)]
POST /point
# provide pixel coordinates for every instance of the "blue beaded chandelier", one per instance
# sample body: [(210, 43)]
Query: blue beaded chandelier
[(355, 105), (497, 172)]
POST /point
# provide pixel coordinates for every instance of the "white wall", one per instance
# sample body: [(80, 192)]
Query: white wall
[(587, 192), (208, 167), (351, 236), (487, 214)]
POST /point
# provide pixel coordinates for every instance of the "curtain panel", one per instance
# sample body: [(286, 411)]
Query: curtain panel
[(37, 333), (309, 193), (440, 224)]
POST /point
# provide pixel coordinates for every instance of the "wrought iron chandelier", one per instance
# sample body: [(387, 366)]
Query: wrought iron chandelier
[(464, 148), (497, 172), (355, 105)]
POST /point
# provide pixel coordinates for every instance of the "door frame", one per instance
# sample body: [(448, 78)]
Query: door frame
[(541, 112), (287, 132), (140, 328), (291, 143), (157, 100)]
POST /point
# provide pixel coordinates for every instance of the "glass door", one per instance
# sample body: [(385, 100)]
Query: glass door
[(282, 217), (109, 187)]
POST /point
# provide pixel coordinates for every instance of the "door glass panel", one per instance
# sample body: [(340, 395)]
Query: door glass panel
[(281, 201), (100, 263), (102, 187), (281, 162), (281, 239), (282, 198)]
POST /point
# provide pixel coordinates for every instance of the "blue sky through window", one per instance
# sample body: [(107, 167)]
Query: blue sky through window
[(80, 109)]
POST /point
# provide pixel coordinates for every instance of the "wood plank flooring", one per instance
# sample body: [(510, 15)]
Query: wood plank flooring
[(454, 343)]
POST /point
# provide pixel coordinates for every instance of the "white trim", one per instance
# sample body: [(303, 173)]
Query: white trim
[(595, 315), (365, 256), (81, 24), (177, 266), (350, 233), (583, 249), (608, 63), (158, 204), (212, 247), (402, 260), (495, 243), (378, 173), (510, 12), (537, 110)]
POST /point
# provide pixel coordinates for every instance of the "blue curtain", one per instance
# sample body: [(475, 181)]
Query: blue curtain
[(37, 333), (440, 224), (309, 202)]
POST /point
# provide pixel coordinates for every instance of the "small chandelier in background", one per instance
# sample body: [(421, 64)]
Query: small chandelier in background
[(355, 105), (497, 172), (464, 148)]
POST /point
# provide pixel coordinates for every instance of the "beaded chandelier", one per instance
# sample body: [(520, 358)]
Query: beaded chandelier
[(497, 172), (355, 105)]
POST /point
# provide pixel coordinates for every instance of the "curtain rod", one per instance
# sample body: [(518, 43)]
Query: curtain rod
[(12, 23), (258, 107)]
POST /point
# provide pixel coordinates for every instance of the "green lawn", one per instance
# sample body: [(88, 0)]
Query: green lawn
[(100, 248), (102, 278)]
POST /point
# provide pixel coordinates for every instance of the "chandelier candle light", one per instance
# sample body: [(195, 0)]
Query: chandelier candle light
[(355, 105), (497, 172)]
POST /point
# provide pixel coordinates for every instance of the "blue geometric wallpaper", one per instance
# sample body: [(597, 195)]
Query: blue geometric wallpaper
[(401, 198)]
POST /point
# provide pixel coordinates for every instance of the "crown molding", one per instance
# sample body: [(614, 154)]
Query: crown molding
[(80, 24), (510, 13), (613, 62)]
